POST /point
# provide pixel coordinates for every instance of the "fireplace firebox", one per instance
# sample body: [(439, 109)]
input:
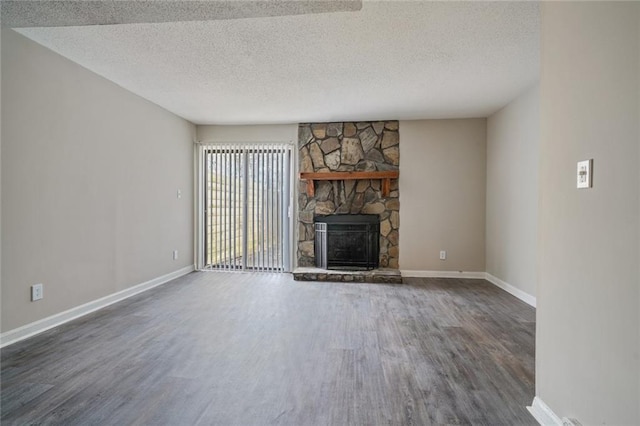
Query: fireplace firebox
[(347, 242)]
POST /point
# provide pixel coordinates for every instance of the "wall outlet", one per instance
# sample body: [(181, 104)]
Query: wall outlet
[(443, 255), (37, 292), (175, 255), (585, 174)]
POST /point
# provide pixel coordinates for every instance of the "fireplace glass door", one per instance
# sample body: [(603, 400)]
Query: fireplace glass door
[(348, 242)]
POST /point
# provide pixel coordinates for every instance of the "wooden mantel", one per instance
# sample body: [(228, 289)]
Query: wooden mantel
[(385, 176)]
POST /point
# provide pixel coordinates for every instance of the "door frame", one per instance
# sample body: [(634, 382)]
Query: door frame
[(199, 217)]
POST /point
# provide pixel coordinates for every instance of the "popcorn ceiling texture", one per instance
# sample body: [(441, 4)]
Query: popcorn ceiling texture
[(362, 146), (59, 13), (389, 60)]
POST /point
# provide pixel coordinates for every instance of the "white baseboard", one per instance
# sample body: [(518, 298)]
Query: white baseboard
[(525, 297), (543, 414), (21, 333), (443, 274)]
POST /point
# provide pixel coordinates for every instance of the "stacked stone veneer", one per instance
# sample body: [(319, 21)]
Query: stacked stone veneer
[(362, 146)]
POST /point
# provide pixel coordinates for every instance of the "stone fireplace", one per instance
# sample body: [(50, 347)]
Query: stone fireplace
[(349, 147)]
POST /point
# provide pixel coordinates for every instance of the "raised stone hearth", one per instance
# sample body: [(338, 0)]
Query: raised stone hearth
[(349, 147), (379, 276)]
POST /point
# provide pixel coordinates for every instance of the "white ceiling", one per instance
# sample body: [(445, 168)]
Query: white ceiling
[(389, 60), (64, 13)]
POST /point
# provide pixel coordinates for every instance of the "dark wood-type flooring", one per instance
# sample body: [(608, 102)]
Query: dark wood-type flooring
[(262, 349)]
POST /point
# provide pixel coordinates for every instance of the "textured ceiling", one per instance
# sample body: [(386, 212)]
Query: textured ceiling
[(390, 60), (63, 13)]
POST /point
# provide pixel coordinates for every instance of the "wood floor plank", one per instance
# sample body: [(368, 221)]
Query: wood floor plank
[(262, 349)]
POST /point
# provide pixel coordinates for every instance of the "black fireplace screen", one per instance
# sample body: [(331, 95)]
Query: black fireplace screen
[(347, 241)]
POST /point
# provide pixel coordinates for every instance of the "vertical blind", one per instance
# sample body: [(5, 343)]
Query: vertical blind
[(246, 204)]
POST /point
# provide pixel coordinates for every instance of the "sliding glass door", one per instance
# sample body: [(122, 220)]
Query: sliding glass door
[(246, 197)]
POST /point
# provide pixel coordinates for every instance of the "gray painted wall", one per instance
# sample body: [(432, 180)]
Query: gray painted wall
[(0, 189), (254, 133), (89, 180), (588, 324), (442, 194), (258, 133), (445, 161), (513, 135)]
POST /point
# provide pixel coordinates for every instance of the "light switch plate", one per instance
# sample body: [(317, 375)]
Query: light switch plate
[(584, 177)]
